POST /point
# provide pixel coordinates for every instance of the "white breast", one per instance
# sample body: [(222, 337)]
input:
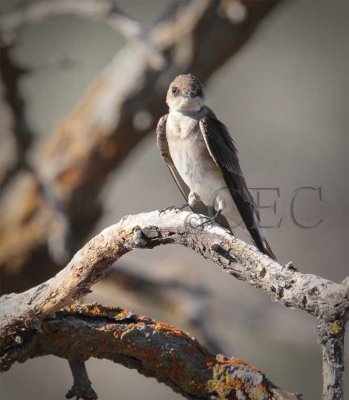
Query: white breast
[(191, 157)]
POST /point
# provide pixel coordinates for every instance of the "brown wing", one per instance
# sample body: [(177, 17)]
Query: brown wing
[(224, 153), (162, 143)]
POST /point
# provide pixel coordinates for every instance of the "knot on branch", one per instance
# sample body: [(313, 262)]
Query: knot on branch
[(146, 237), (220, 250)]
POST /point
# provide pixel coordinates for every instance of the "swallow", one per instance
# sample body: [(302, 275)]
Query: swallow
[(203, 160)]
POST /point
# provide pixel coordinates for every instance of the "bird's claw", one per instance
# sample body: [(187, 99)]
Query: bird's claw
[(173, 208), (210, 220)]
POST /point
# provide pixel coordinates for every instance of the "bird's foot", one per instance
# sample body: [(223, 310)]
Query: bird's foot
[(174, 208), (210, 220)]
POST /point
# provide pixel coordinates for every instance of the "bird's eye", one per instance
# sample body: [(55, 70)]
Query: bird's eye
[(174, 89)]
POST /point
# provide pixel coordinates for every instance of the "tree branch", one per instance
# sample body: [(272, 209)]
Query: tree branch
[(331, 338), (315, 295), (154, 348), (326, 300)]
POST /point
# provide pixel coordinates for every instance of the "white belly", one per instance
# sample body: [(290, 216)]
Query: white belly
[(192, 159)]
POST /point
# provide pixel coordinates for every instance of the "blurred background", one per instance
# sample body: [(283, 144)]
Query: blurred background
[(277, 77)]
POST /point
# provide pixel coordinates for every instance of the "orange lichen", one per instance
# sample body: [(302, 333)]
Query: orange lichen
[(168, 329), (72, 308), (218, 375), (225, 382), (161, 349), (122, 314)]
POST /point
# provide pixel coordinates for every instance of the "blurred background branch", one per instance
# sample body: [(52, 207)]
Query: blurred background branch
[(11, 72), (37, 11)]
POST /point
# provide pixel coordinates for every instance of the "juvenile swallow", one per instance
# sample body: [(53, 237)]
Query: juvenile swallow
[(203, 160)]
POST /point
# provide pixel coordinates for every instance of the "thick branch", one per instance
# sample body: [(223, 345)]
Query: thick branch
[(154, 348), (317, 296)]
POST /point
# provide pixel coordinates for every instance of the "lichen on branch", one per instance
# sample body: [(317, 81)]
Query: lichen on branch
[(154, 348), (326, 300)]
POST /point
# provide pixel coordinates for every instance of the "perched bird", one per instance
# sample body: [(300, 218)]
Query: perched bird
[(203, 160)]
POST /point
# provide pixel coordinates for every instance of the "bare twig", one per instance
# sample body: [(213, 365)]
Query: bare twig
[(82, 386), (154, 348), (326, 300)]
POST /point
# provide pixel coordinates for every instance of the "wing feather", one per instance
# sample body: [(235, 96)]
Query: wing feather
[(162, 143), (224, 153)]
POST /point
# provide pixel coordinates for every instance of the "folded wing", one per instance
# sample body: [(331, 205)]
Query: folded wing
[(224, 153)]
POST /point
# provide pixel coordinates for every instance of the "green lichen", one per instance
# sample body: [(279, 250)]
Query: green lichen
[(335, 328)]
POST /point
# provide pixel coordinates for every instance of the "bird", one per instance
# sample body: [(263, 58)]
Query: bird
[(203, 160)]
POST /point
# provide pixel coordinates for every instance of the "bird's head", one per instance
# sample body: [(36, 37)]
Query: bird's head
[(185, 94)]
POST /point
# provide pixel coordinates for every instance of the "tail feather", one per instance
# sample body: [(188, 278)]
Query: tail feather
[(268, 251), (256, 234)]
